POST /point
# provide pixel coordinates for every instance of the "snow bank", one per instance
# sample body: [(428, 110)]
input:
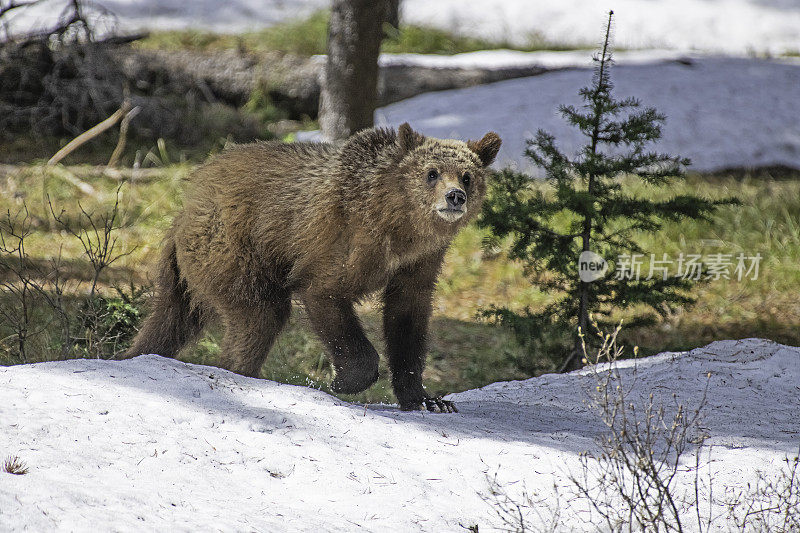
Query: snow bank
[(721, 112), (729, 26), (156, 444), (231, 16), (500, 59)]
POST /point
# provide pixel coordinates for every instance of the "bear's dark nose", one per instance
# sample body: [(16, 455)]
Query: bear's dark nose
[(455, 198)]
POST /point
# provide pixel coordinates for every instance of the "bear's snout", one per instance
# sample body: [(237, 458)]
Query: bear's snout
[(456, 198), (453, 206)]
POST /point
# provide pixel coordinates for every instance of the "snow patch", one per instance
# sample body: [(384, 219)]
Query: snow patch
[(152, 443), (725, 26), (500, 59)]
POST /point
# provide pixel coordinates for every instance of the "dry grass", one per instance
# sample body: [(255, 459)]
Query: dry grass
[(14, 465)]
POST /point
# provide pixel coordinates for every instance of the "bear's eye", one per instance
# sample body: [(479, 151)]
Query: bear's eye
[(466, 178), (433, 175)]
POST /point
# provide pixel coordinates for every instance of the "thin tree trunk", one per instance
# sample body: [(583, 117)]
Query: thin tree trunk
[(583, 305), (349, 91), (393, 13), (574, 361)]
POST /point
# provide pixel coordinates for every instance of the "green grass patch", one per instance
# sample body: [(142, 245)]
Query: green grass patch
[(308, 36), (304, 37), (464, 352)]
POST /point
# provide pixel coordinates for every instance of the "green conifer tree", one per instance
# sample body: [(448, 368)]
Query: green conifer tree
[(588, 209)]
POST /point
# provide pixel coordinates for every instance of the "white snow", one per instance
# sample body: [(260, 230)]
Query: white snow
[(499, 59), (132, 15), (154, 444), (729, 26)]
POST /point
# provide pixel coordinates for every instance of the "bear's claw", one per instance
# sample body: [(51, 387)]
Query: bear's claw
[(433, 405)]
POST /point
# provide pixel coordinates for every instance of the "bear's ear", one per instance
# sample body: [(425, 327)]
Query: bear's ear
[(487, 148), (408, 139)]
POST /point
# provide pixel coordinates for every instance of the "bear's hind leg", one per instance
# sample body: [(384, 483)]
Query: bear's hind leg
[(354, 358), (249, 334)]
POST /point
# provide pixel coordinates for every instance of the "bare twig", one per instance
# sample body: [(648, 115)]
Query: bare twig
[(123, 135), (23, 283), (98, 239), (772, 504), (15, 281), (640, 454), (631, 483), (90, 134)]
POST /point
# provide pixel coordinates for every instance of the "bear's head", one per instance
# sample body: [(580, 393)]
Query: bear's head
[(445, 179)]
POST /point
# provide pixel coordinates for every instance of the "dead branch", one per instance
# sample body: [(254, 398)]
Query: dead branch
[(123, 135), (73, 180), (90, 133), (97, 236), (102, 171)]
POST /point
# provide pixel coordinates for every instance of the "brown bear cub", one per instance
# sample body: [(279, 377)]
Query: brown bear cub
[(327, 224)]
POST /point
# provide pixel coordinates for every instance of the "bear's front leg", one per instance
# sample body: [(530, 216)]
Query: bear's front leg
[(407, 302), (354, 358)]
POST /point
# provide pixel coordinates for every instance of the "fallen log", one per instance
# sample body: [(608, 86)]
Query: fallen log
[(99, 171)]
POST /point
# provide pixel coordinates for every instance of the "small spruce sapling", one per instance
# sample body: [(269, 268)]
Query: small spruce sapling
[(587, 208)]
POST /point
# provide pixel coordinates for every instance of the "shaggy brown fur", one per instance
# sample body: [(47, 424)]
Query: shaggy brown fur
[(328, 223)]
